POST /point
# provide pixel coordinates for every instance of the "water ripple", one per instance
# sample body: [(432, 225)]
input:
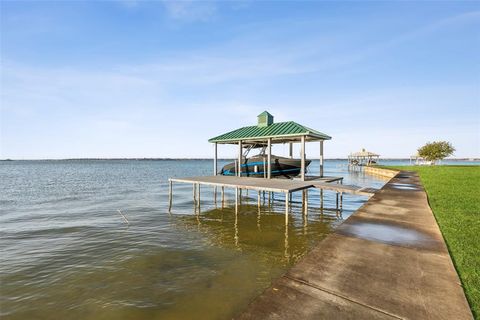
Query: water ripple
[(68, 254)]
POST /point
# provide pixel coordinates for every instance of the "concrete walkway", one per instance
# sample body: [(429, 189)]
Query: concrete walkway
[(387, 261)]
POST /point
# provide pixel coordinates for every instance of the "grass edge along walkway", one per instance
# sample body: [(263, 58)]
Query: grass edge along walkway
[(453, 195)]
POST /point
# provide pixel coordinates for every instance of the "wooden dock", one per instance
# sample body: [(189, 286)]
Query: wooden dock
[(276, 185), (284, 186)]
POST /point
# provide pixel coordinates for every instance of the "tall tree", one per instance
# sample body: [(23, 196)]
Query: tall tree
[(435, 151)]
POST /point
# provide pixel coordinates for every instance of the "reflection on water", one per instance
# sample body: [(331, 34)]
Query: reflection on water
[(68, 254), (237, 255), (260, 230)]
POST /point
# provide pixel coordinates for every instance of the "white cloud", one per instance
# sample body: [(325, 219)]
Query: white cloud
[(134, 113), (132, 110)]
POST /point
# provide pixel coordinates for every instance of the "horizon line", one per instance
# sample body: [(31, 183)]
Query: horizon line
[(202, 158)]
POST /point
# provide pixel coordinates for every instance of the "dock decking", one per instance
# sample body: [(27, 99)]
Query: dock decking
[(285, 186), (276, 185)]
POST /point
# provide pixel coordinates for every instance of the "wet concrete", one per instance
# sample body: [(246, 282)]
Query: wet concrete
[(387, 261), (405, 186), (390, 233)]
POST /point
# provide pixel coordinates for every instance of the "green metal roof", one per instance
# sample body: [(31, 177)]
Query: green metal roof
[(277, 131)]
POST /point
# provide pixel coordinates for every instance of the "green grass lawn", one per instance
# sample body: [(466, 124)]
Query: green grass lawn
[(454, 196)]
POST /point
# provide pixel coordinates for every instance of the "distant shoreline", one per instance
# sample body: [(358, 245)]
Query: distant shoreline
[(221, 159)]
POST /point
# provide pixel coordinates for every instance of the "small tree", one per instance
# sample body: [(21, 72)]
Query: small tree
[(437, 150)]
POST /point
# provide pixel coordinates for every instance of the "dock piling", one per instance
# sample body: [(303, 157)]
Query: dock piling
[(170, 195), (303, 201), (236, 200), (286, 255), (236, 217), (337, 200), (215, 196), (286, 208), (194, 187), (321, 199), (272, 186), (223, 197), (305, 212), (198, 198), (258, 219)]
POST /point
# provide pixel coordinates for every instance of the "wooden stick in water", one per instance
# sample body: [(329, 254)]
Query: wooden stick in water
[(124, 218)]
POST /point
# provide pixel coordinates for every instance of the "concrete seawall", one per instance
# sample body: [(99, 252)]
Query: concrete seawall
[(387, 261), (380, 171)]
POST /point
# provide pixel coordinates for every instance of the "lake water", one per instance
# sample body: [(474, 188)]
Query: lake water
[(66, 252)]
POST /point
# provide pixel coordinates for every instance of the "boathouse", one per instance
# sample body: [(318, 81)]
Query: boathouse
[(266, 133), (363, 158), (263, 135)]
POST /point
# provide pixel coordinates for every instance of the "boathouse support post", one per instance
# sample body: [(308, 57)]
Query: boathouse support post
[(239, 172), (321, 158), (303, 158), (215, 162), (215, 170), (264, 169), (269, 159)]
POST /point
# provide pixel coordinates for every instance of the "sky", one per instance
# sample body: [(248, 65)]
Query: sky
[(121, 79)]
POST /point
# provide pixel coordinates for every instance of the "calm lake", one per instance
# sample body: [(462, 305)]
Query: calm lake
[(68, 254)]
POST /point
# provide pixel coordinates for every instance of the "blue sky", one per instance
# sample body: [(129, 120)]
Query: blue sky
[(158, 79)]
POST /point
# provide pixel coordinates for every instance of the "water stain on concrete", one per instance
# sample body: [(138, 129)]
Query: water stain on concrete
[(389, 233), (405, 186), (387, 202)]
